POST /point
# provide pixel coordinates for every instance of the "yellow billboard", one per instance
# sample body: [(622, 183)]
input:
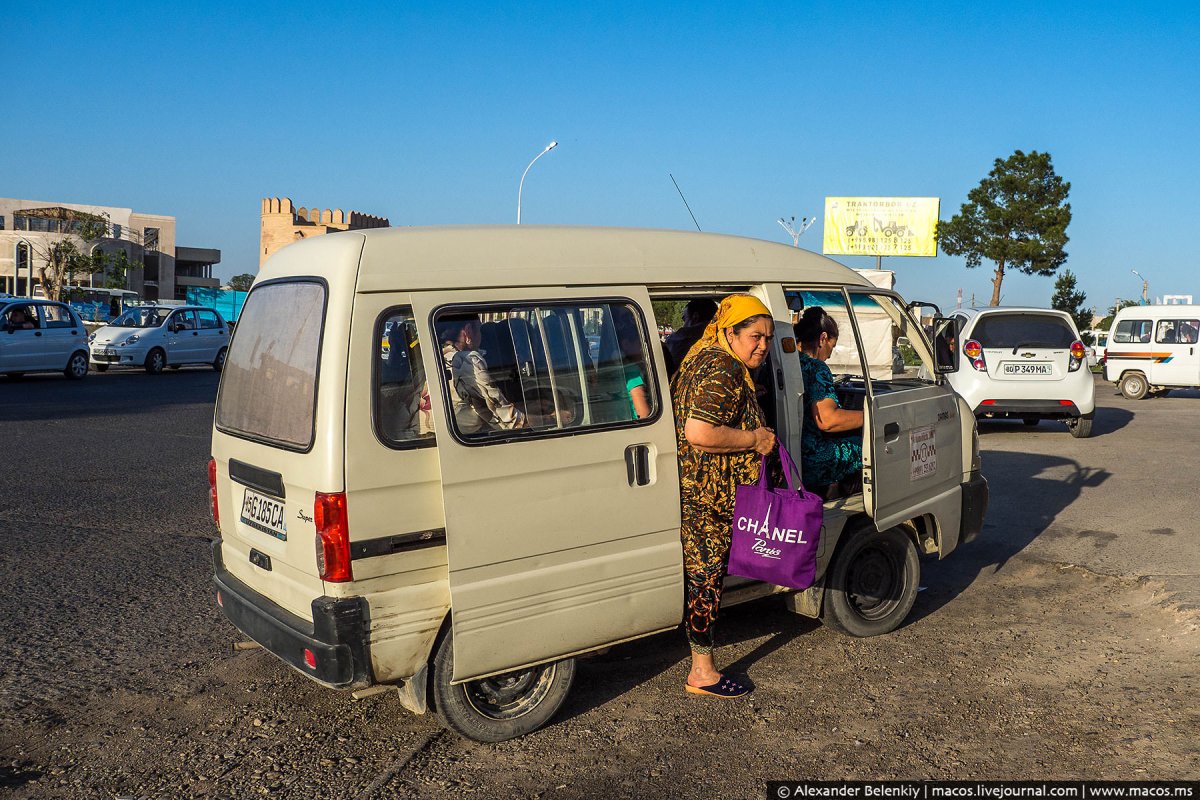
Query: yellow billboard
[(881, 226)]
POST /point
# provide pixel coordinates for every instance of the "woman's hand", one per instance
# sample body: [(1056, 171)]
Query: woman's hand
[(764, 440), (709, 438)]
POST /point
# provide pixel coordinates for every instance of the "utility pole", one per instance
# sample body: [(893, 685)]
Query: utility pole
[(793, 231)]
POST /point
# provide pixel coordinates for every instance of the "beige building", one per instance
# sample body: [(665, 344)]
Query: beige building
[(163, 270), (283, 223)]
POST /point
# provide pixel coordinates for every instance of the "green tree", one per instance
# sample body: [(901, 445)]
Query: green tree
[(1069, 298), (1016, 217), (241, 283), (115, 267), (63, 259)]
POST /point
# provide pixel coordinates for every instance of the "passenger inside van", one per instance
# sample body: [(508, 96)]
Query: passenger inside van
[(696, 316), (831, 460), (479, 404), (630, 342)]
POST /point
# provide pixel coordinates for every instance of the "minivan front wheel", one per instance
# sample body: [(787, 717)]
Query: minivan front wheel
[(156, 359), (77, 367), (502, 706), (872, 582), (1134, 386)]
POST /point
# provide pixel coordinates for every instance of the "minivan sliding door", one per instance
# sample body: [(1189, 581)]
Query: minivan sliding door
[(556, 447)]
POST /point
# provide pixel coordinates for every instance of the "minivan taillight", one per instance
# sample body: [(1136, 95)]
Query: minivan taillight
[(333, 537), (212, 491)]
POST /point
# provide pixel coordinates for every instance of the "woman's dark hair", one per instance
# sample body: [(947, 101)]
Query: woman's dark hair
[(748, 321), (813, 323)]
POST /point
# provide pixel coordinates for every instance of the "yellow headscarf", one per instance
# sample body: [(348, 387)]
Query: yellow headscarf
[(733, 309)]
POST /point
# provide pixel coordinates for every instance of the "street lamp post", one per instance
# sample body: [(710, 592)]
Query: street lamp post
[(1145, 288), (521, 187)]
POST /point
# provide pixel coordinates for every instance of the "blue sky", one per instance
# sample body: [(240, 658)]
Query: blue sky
[(428, 113)]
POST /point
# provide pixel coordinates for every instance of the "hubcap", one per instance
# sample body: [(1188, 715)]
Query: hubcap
[(875, 581), (511, 695)]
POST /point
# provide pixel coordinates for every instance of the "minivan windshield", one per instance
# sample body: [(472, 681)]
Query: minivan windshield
[(141, 317), (1023, 330)]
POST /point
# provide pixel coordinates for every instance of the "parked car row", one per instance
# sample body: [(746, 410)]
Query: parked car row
[(48, 336)]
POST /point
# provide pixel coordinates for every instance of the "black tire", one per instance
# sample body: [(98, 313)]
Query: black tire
[(1134, 386), (1080, 427), (174, 366), (77, 366), (872, 582), (101, 367), (219, 362), (156, 359), (1031, 421), (501, 707)]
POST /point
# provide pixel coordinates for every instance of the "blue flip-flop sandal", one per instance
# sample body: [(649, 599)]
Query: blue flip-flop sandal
[(726, 687)]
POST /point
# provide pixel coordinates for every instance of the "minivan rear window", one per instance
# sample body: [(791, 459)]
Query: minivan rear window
[(1023, 330), (269, 389)]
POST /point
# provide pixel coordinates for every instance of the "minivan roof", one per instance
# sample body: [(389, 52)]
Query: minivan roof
[(461, 257)]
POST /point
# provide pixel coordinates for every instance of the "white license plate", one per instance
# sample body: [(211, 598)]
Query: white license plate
[(110, 351), (1028, 369), (264, 514)]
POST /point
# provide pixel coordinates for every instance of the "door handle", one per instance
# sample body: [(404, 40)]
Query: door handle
[(891, 432), (637, 464)]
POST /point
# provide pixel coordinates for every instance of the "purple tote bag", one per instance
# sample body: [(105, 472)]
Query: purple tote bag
[(776, 531)]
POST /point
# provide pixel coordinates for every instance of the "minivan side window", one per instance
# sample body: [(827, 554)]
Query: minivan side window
[(1176, 331), (522, 371), (269, 384), (1132, 330), (403, 414)]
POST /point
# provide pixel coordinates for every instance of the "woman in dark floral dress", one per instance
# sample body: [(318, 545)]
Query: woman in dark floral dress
[(825, 456), (720, 435)]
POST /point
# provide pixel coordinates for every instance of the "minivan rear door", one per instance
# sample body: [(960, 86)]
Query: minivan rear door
[(561, 507)]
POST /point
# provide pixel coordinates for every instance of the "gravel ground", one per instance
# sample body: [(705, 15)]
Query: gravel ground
[(120, 680)]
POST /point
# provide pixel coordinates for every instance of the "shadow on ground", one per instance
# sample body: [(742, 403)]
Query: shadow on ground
[(1108, 420), (1027, 492)]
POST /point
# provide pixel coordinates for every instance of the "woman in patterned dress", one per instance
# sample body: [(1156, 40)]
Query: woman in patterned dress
[(826, 456), (720, 436)]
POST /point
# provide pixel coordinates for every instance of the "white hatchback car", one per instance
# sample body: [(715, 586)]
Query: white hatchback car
[(1025, 363), (155, 337), (41, 336)]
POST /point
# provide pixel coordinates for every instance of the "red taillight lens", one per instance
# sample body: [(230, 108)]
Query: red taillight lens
[(1078, 350), (979, 365), (333, 537), (310, 658), (212, 490), (972, 349)]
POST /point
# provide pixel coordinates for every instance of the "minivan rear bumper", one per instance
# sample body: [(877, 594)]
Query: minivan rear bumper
[(336, 636)]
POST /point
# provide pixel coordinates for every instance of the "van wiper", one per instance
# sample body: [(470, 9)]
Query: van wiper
[(1032, 344)]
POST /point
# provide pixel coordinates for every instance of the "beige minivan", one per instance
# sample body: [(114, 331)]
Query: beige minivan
[(376, 533)]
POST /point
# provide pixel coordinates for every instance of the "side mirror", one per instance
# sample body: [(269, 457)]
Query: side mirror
[(945, 345)]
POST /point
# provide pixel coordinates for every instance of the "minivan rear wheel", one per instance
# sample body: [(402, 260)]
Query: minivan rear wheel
[(500, 707), (872, 582), (218, 363), (1134, 386)]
